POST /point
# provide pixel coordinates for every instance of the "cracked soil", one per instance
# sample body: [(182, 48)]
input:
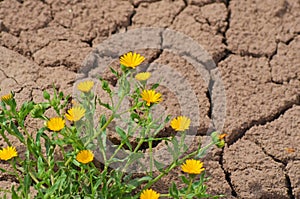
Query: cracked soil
[(254, 43)]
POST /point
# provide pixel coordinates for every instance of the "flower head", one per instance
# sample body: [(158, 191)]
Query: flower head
[(222, 136), (131, 60), (290, 150), (56, 124), (75, 113), (85, 86), (150, 96), (218, 139), (85, 156), (8, 153), (149, 194), (143, 76), (192, 166), (6, 98), (180, 123)]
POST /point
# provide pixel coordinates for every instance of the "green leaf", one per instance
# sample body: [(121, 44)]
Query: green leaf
[(154, 86), (25, 110), (133, 184), (46, 95), (134, 116), (98, 183), (174, 191), (114, 71), (135, 156), (106, 105), (102, 120), (121, 132), (159, 165), (184, 180), (27, 183), (105, 86), (61, 95), (167, 119), (124, 137), (126, 86), (14, 195), (47, 143), (41, 167), (15, 131), (32, 147)]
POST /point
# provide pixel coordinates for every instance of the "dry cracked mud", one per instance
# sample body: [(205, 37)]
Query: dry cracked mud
[(255, 45)]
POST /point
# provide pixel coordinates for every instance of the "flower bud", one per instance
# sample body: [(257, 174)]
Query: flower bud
[(39, 110), (46, 95)]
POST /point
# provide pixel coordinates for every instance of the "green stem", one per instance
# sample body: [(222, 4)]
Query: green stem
[(4, 136), (13, 164), (151, 157), (116, 151), (174, 164), (135, 150), (107, 122), (150, 183), (190, 185), (138, 145), (68, 161), (36, 180), (100, 131)]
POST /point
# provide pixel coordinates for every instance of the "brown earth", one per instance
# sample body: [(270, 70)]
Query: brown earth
[(254, 43)]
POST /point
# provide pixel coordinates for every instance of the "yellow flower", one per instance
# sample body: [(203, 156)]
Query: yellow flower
[(222, 136), (131, 60), (143, 76), (8, 153), (85, 156), (150, 96), (149, 194), (75, 113), (85, 86), (56, 124), (6, 98), (180, 123), (192, 166)]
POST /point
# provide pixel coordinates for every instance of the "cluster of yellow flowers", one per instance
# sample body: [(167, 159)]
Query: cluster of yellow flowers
[(181, 123), (76, 113)]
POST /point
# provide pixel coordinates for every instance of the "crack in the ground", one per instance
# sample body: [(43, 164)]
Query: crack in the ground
[(291, 39), (90, 41), (130, 19), (270, 58), (208, 95), (161, 50), (204, 3), (135, 5), (263, 121), (289, 186), (9, 76), (35, 51), (269, 63), (227, 175), (179, 12), (228, 17), (20, 89), (284, 164), (226, 52)]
